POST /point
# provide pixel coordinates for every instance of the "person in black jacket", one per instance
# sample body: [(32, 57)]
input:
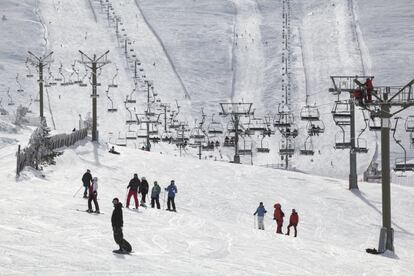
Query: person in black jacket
[(143, 189), (117, 224), (133, 186), (86, 179)]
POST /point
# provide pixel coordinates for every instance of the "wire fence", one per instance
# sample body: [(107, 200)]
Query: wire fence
[(27, 156)]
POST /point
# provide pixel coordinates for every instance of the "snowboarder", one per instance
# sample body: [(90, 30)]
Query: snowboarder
[(93, 196), (143, 189), (117, 224), (155, 195), (86, 179), (260, 211), (293, 221), (172, 190), (278, 216), (112, 150), (133, 186)]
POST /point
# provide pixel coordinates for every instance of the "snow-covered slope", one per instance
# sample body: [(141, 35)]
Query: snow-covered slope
[(202, 53), (213, 231)]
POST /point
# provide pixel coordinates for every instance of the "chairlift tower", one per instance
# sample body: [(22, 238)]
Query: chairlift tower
[(346, 84), (236, 110), (40, 62), (94, 64), (384, 100)]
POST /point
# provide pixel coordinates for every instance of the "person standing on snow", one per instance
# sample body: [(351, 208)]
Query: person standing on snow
[(278, 216), (172, 190), (93, 196), (293, 221), (143, 189), (155, 195), (133, 186), (117, 224), (260, 211), (86, 179)]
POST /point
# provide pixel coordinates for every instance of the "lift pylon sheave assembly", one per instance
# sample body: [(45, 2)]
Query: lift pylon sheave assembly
[(235, 111), (386, 102), (95, 64), (40, 62)]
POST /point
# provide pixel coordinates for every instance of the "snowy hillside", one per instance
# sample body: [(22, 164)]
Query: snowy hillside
[(179, 59), (211, 234)]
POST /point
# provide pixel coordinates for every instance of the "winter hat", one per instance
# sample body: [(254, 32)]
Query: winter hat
[(155, 183), (293, 211), (261, 203), (135, 175), (115, 199), (88, 170), (172, 181)]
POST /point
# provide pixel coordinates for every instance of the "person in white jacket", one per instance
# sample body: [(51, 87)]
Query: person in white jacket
[(93, 196)]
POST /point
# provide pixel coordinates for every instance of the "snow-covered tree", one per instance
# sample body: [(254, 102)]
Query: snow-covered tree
[(41, 146), (21, 112)]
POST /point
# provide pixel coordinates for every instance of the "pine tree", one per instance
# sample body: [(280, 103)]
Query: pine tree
[(41, 146)]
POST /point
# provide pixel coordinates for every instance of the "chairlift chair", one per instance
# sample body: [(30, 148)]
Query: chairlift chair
[(340, 141), (257, 124), (245, 150), (361, 146), (308, 147), (283, 120), (264, 147), (309, 113), (131, 135), (374, 124), (401, 165), (341, 112), (287, 148), (215, 127), (121, 141), (409, 124), (315, 127)]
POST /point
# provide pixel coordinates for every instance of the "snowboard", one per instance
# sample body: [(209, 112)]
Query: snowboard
[(123, 252), (79, 210)]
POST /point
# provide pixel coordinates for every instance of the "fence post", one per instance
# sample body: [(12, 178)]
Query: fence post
[(18, 162)]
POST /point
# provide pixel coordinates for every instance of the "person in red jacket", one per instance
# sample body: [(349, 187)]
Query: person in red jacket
[(369, 87), (278, 216), (293, 221)]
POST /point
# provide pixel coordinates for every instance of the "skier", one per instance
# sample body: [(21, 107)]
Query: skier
[(112, 150), (278, 216), (93, 196), (155, 195), (117, 224), (293, 221), (86, 179), (133, 186), (143, 190), (172, 190), (260, 211)]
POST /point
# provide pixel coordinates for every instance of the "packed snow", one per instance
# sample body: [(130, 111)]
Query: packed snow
[(198, 54)]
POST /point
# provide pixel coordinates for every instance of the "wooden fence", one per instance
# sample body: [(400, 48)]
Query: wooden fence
[(26, 156)]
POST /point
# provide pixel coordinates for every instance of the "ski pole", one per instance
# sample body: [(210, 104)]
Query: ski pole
[(78, 191), (163, 202), (254, 222)]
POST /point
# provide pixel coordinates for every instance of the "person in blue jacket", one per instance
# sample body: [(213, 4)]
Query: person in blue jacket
[(260, 211), (172, 190)]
